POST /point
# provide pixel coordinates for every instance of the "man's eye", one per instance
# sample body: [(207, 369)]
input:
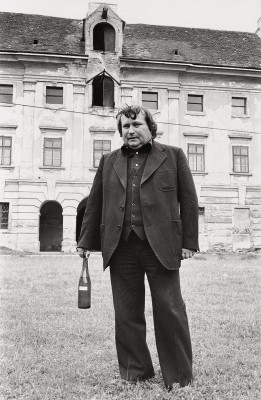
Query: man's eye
[(126, 126)]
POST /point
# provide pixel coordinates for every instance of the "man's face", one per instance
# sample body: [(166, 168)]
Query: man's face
[(135, 132)]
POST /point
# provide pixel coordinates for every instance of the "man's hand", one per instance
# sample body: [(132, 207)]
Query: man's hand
[(83, 252), (187, 253)]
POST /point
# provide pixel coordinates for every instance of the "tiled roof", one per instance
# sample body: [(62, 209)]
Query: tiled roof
[(150, 42), (54, 35), (199, 46)]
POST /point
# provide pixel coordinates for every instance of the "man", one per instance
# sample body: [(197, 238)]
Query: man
[(144, 202)]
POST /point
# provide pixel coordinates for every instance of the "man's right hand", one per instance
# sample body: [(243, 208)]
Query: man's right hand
[(83, 252)]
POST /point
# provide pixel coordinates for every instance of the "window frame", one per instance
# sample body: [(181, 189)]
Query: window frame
[(7, 94), (60, 148), (103, 151), (234, 108), (2, 147), (203, 155), (47, 96), (8, 216), (198, 95), (150, 92), (241, 157)]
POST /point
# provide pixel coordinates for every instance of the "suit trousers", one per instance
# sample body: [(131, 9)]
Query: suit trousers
[(130, 262)]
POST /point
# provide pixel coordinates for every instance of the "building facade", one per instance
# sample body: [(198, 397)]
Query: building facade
[(62, 82)]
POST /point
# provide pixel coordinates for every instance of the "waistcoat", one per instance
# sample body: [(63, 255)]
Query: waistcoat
[(133, 217)]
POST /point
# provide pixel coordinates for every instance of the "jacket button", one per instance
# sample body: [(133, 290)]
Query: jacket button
[(119, 227), (121, 208)]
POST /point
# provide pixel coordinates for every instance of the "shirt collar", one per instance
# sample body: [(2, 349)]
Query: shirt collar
[(126, 150)]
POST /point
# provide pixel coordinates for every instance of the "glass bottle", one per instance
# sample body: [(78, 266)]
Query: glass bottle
[(84, 286)]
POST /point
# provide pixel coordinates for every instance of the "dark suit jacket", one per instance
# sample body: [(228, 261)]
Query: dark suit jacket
[(168, 203)]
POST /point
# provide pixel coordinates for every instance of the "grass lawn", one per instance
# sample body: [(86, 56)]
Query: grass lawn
[(52, 350)]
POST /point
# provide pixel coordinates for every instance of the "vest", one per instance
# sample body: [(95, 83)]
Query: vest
[(133, 217)]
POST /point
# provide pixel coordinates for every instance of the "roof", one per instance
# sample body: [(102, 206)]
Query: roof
[(54, 35), (141, 41)]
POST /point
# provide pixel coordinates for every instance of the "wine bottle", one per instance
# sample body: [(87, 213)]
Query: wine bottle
[(84, 287)]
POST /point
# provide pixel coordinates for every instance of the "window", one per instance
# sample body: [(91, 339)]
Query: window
[(240, 159), (6, 94), (150, 100), (52, 152), (201, 211), (195, 103), (5, 150), (239, 105), (4, 212), (104, 37), (103, 91), (54, 95), (196, 157), (100, 147)]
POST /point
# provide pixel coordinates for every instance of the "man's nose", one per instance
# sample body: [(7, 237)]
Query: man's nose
[(131, 129)]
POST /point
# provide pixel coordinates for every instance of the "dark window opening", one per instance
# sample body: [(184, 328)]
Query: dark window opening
[(104, 37), (201, 211), (54, 95), (195, 103), (35, 41), (6, 94), (4, 213), (176, 52), (103, 91)]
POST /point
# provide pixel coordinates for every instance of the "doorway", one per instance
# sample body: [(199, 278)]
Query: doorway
[(51, 226)]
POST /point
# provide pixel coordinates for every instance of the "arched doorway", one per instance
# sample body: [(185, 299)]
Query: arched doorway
[(80, 213), (51, 226)]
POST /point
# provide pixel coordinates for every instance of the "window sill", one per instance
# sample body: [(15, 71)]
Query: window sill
[(240, 116), (7, 104), (54, 106), (7, 166), (240, 173), (199, 173), (58, 168), (195, 113), (93, 169)]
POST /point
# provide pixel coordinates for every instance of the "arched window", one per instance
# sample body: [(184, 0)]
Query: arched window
[(104, 37), (103, 91)]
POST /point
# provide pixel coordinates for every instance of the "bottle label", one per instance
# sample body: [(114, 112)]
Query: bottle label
[(83, 288)]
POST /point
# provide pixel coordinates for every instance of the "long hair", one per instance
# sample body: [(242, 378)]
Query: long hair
[(132, 112)]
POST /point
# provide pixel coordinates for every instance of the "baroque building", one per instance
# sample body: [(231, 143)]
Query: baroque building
[(62, 82)]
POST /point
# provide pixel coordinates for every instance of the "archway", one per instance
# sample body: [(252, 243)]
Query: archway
[(104, 37), (51, 226), (80, 213)]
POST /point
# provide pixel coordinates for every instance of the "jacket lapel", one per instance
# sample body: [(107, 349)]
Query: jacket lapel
[(119, 163), (154, 160)]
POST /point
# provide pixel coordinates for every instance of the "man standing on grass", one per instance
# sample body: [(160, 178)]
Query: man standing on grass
[(144, 202)]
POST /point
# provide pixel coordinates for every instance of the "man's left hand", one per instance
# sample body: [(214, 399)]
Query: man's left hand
[(187, 253)]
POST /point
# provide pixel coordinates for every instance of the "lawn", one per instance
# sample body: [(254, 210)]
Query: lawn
[(52, 350)]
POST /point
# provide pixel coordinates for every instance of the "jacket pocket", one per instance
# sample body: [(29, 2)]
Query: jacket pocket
[(176, 228), (166, 180)]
